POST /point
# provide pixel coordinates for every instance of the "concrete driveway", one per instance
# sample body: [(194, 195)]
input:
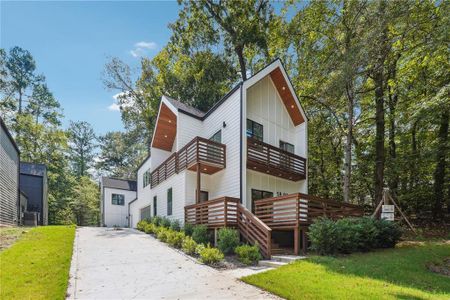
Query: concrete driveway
[(128, 264)]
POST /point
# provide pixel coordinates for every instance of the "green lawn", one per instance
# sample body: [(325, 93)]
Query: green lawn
[(8, 235), (37, 265), (399, 273)]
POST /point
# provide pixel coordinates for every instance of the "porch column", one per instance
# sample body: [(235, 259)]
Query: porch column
[(199, 178)]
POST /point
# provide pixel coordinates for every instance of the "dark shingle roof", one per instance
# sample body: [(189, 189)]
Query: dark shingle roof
[(122, 184), (186, 108)]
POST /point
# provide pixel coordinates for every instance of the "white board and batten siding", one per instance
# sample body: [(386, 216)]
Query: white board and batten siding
[(143, 194), (116, 215)]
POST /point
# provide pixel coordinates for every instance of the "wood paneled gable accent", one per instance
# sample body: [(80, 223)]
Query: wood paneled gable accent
[(166, 129), (288, 98)]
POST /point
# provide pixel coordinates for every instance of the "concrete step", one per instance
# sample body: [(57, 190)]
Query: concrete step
[(286, 258), (271, 263)]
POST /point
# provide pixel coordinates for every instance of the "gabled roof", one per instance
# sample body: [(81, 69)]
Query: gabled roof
[(121, 184), (185, 108)]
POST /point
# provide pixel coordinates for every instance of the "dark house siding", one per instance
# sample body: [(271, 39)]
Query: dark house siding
[(9, 178), (33, 182)]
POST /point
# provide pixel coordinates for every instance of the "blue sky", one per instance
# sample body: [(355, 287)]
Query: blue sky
[(71, 42)]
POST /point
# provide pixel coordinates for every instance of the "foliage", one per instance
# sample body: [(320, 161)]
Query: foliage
[(85, 202), (188, 229), (165, 222), (175, 225), (141, 225), (227, 240), (162, 233), (189, 245), (149, 228), (348, 235), (200, 234), (387, 274), (81, 146), (156, 220), (47, 253), (209, 255), (175, 238), (247, 254)]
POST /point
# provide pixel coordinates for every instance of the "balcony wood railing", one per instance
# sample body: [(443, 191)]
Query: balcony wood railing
[(208, 154), (228, 212), (271, 160), (295, 210)]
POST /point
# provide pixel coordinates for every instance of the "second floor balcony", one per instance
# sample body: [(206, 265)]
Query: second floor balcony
[(200, 154), (268, 159)]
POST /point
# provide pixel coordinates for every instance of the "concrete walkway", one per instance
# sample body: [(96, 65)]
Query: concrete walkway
[(128, 264)]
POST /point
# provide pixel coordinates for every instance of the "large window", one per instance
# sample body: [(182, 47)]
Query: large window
[(155, 201), (145, 213), (217, 137), (118, 199), (146, 178), (255, 130), (259, 194), (169, 202)]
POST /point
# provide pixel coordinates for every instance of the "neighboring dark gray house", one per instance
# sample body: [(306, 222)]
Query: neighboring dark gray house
[(33, 182), (9, 178)]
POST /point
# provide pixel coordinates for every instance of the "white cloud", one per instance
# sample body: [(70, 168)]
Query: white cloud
[(142, 48), (114, 107)]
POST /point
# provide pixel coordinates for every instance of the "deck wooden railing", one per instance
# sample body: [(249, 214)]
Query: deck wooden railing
[(269, 159), (198, 151), (294, 210), (228, 212)]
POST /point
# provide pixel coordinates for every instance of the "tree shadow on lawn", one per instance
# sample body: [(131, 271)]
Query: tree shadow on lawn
[(405, 266)]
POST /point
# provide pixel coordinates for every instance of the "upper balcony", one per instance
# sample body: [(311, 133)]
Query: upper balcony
[(207, 155), (274, 161)]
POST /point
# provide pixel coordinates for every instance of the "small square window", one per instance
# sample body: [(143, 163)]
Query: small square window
[(118, 199)]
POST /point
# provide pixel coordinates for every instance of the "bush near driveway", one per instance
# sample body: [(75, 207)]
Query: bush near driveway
[(37, 265), (200, 234), (227, 240), (189, 245), (247, 254)]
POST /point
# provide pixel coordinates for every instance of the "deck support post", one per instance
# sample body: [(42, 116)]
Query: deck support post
[(296, 240)]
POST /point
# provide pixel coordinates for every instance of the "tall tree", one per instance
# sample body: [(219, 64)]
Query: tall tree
[(82, 144)]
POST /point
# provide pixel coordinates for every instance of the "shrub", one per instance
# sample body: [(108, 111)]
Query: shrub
[(209, 255), (324, 236), (175, 238), (188, 229), (227, 240), (175, 225), (141, 225), (389, 233), (162, 233), (348, 235), (149, 228), (188, 245), (200, 234), (165, 222), (156, 220), (247, 254)]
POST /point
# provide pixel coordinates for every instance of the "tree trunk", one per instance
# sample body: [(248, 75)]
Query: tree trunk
[(394, 178), (240, 53), (439, 173), (348, 145)]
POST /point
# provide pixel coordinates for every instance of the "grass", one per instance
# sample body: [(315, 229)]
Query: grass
[(8, 235), (37, 265), (399, 273)]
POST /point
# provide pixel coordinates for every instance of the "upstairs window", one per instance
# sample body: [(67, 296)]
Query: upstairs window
[(217, 137), (118, 199), (287, 147), (255, 130), (169, 202), (146, 178)]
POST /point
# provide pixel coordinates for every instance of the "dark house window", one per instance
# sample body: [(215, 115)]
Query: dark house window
[(257, 195), (217, 137), (146, 178), (155, 200), (169, 202), (118, 199), (255, 130), (287, 147)]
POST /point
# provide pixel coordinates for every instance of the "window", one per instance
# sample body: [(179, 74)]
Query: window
[(204, 196), (259, 194), (154, 205), (145, 213), (217, 137), (169, 202), (255, 130), (146, 178), (287, 147), (118, 199)]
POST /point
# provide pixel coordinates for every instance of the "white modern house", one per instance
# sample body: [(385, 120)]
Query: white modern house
[(116, 194), (215, 167)]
